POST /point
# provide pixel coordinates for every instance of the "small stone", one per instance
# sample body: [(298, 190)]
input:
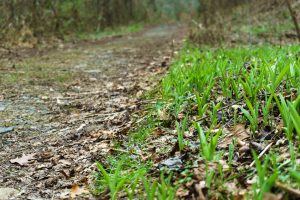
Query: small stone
[(172, 163), (6, 129)]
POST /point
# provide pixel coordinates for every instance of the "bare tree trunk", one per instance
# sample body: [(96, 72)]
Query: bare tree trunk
[(293, 15)]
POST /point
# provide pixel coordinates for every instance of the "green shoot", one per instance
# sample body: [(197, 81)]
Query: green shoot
[(295, 117), (213, 114), (231, 151), (266, 110), (207, 149), (165, 189), (180, 133), (150, 188), (265, 182), (295, 175), (252, 116), (286, 117), (202, 106), (115, 182), (134, 184)]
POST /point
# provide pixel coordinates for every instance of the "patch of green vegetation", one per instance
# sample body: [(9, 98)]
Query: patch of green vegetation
[(208, 92), (251, 79), (122, 174), (139, 135), (269, 28), (126, 174)]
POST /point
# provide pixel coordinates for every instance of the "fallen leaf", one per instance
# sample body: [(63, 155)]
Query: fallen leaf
[(77, 190), (172, 163), (24, 159), (231, 187), (271, 196), (163, 115), (65, 162), (198, 188), (182, 192), (239, 132)]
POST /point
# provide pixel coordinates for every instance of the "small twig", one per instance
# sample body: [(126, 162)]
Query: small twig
[(262, 153), (293, 191)]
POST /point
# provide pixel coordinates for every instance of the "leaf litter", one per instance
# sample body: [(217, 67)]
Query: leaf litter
[(68, 114)]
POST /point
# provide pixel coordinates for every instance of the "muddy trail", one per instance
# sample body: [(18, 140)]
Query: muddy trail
[(60, 111)]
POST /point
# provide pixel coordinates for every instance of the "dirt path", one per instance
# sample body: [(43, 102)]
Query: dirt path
[(61, 110)]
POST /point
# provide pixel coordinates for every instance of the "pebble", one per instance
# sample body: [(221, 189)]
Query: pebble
[(6, 129)]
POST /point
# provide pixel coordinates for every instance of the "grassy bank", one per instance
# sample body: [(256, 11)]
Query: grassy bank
[(225, 126)]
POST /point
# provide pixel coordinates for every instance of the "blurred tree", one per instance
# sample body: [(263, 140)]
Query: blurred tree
[(59, 17)]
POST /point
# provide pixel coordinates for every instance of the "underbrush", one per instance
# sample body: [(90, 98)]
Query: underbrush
[(254, 22), (118, 31), (226, 127)]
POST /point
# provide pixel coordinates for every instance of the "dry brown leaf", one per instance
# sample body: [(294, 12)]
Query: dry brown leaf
[(65, 162), (163, 115), (231, 187), (239, 132), (199, 188), (77, 190), (24, 159), (182, 192)]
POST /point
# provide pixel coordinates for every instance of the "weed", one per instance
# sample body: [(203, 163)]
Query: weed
[(266, 109), (231, 151), (143, 130), (202, 106), (295, 118), (295, 175), (124, 174), (252, 116), (264, 182), (207, 148), (165, 189), (131, 191), (209, 175), (214, 114), (285, 114), (235, 90), (150, 188), (115, 182), (180, 133), (162, 190), (206, 76)]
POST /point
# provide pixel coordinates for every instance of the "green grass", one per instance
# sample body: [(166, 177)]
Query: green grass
[(180, 133), (216, 90), (207, 148), (254, 79), (127, 175), (122, 175), (268, 28)]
